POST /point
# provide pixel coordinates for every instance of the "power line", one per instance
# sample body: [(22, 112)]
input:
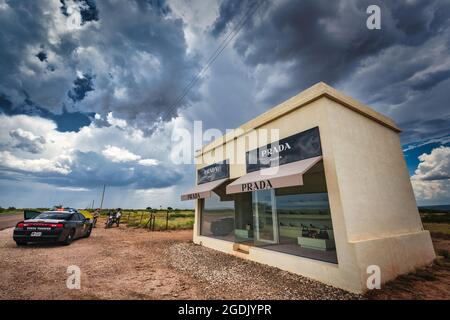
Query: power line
[(218, 51), (231, 35)]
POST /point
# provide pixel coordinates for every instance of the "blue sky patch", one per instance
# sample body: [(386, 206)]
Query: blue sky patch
[(66, 121)]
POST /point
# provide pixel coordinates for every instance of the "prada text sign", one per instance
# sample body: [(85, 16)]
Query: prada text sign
[(297, 147), (216, 171)]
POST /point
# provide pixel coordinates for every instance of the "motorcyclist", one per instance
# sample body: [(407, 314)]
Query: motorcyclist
[(110, 219)]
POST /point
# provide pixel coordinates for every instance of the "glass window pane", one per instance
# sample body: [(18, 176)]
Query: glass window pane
[(244, 217), (296, 220), (265, 217), (217, 218), (305, 226)]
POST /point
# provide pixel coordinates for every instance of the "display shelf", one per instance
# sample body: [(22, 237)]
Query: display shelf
[(290, 232), (294, 232), (304, 217), (317, 244), (243, 233)]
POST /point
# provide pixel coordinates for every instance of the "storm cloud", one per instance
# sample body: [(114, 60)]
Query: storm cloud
[(88, 88), (90, 170), (27, 140), (310, 41), (93, 56)]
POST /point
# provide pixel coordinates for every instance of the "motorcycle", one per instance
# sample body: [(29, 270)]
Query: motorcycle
[(111, 220)]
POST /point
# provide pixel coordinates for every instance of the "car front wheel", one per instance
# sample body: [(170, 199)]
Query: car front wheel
[(21, 243)]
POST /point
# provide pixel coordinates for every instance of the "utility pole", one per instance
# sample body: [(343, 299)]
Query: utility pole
[(103, 196)]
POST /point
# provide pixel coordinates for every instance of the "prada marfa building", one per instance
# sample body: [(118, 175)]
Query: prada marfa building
[(338, 201)]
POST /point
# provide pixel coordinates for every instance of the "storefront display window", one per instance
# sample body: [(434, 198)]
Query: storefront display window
[(265, 217), (305, 227), (296, 220), (244, 217), (217, 218)]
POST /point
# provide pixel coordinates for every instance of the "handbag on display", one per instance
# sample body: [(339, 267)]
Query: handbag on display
[(305, 231), (323, 234)]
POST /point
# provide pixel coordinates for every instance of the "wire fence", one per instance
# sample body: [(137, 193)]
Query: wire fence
[(159, 220)]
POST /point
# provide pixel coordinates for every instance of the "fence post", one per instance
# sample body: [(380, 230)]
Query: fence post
[(140, 220), (149, 223), (128, 219), (167, 219)]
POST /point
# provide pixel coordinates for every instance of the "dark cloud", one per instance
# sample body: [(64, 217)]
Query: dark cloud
[(294, 30), (27, 141), (136, 50), (311, 41), (443, 176), (135, 62), (82, 85), (42, 56), (88, 10), (418, 130), (430, 80), (160, 6), (90, 170), (228, 11), (5, 104), (326, 40)]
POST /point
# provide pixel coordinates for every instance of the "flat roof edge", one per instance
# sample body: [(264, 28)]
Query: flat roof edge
[(313, 93)]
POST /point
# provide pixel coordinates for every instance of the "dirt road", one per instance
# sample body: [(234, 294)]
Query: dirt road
[(9, 220), (115, 264), (127, 263)]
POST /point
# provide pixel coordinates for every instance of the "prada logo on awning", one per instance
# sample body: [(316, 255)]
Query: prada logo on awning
[(193, 196), (259, 185), (275, 150)]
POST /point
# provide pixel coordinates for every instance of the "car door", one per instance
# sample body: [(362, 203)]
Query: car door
[(84, 224), (73, 224), (30, 214), (78, 224)]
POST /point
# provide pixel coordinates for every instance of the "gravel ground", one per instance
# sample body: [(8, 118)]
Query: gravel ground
[(227, 277), (128, 263)]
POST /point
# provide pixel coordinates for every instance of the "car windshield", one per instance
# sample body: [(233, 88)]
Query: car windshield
[(54, 215)]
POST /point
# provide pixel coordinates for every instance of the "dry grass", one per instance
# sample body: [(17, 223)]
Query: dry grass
[(178, 220)]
